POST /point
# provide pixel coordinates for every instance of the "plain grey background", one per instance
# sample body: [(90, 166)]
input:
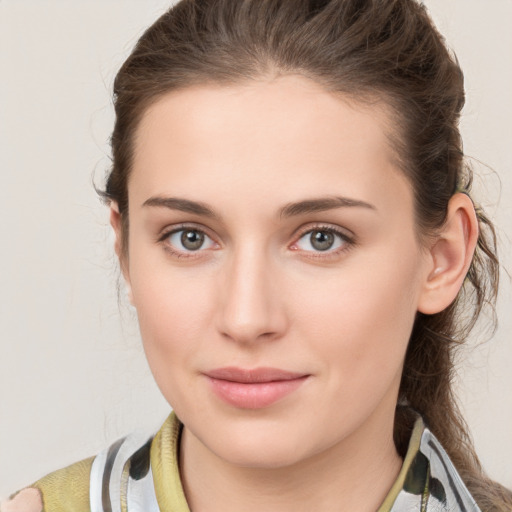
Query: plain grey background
[(72, 374)]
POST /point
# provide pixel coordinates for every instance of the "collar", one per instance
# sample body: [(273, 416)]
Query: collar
[(149, 478)]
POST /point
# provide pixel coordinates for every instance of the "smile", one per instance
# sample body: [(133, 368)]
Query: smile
[(255, 388)]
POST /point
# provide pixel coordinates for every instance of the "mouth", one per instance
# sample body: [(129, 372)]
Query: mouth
[(253, 388)]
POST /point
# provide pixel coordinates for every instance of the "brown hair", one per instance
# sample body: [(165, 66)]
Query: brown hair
[(366, 49)]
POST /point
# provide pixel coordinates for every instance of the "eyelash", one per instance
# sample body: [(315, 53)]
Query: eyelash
[(348, 242), (163, 238)]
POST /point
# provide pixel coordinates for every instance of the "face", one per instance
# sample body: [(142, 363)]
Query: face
[(274, 266)]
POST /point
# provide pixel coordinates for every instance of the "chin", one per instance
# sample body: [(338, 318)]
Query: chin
[(258, 444), (266, 456)]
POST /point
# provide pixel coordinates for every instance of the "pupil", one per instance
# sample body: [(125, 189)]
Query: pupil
[(322, 240), (192, 240)]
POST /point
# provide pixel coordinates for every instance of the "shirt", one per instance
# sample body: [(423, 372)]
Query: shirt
[(141, 474)]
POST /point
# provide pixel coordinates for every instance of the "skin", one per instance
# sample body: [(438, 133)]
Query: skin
[(28, 500), (258, 293)]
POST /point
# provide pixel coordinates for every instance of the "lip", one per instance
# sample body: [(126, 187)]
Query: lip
[(253, 388)]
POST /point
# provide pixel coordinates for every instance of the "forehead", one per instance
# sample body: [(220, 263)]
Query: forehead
[(287, 134)]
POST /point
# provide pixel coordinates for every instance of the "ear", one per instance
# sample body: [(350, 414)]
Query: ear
[(117, 225), (450, 256)]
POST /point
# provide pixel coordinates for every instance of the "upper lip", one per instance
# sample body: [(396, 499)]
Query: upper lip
[(253, 375)]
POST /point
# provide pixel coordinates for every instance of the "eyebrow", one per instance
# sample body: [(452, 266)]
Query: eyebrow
[(183, 205), (289, 210), (322, 204)]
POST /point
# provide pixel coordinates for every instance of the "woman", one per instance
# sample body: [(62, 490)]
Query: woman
[(293, 221)]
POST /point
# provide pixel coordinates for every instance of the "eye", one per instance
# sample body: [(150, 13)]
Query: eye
[(322, 240), (188, 240)]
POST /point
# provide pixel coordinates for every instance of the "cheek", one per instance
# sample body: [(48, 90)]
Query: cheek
[(173, 310), (362, 317)]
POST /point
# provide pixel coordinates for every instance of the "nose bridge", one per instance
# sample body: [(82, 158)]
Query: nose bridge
[(250, 306)]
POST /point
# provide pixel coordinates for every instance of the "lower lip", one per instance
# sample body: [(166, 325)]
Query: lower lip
[(254, 395)]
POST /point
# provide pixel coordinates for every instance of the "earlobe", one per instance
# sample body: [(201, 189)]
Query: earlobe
[(116, 223), (128, 290), (450, 256)]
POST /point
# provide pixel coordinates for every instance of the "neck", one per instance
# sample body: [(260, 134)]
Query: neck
[(355, 474)]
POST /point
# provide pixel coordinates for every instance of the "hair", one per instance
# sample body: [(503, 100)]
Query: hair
[(384, 51)]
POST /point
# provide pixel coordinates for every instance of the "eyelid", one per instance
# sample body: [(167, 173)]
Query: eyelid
[(165, 233), (345, 234), (322, 226), (169, 230)]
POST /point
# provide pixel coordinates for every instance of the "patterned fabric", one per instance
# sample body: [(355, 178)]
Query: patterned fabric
[(428, 481), (130, 475), (140, 474)]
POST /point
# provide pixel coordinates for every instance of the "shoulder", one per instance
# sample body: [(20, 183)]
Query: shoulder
[(64, 490), (91, 484), (133, 470)]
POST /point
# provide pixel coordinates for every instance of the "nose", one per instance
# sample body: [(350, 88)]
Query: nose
[(251, 306)]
